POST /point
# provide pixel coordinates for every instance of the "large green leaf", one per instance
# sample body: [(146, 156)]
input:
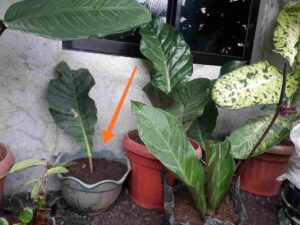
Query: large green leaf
[(3, 221), (220, 167), (203, 127), (71, 107), (244, 139), (165, 47), (165, 137), (287, 32), (252, 85), (193, 95), (76, 19)]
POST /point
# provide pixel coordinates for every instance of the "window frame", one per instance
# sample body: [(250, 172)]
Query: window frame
[(127, 49)]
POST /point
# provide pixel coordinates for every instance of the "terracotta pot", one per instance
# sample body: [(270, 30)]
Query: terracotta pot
[(259, 175), (145, 182), (7, 160)]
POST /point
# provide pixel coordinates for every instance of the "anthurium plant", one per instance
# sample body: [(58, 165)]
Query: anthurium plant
[(182, 105)]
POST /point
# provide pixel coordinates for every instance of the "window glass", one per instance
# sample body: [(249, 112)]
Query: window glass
[(216, 26)]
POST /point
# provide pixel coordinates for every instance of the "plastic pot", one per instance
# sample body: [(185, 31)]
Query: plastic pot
[(145, 182), (91, 198), (7, 160), (259, 175)]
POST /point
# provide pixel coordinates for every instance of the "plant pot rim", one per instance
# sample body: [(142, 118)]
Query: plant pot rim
[(281, 150), (7, 162), (97, 154), (142, 150)]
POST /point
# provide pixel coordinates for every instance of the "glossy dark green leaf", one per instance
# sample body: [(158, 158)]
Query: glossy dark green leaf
[(256, 84), (244, 139), (220, 167), (76, 19), (170, 55), (165, 137), (193, 95), (287, 33), (231, 66), (26, 215), (203, 127), (71, 107), (158, 98)]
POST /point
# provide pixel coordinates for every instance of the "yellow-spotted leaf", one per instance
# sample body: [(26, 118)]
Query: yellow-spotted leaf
[(287, 32), (256, 84)]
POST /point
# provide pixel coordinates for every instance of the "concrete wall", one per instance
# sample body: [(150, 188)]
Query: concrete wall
[(27, 64)]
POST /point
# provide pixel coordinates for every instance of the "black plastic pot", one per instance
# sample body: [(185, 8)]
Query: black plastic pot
[(290, 196)]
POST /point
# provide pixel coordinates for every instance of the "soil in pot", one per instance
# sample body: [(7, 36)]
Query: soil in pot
[(103, 170), (185, 211)]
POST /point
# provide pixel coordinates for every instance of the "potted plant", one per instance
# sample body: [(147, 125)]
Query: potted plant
[(170, 91), (95, 182), (41, 212), (259, 174), (51, 19)]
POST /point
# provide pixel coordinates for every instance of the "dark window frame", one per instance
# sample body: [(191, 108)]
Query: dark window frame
[(174, 10)]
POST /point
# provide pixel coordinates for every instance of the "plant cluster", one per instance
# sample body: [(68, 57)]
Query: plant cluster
[(190, 106)]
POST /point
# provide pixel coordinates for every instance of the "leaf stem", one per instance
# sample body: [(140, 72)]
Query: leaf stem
[(91, 164), (2, 27)]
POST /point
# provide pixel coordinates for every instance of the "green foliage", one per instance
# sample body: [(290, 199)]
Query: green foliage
[(23, 165), (170, 55), (287, 34), (220, 167), (252, 85), (26, 216), (71, 107), (244, 138), (69, 19), (57, 170), (165, 137), (231, 66), (203, 127)]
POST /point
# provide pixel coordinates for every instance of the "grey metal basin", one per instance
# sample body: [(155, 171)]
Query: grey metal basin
[(91, 198)]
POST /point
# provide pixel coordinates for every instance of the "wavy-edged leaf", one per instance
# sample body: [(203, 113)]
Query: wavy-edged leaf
[(203, 127), (71, 19), (25, 164), (36, 189), (256, 84), (170, 55), (193, 95), (57, 170), (231, 66), (244, 139), (220, 167), (165, 137), (26, 215), (287, 33), (71, 107)]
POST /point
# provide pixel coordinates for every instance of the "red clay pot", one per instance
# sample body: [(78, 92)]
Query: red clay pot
[(145, 183), (7, 160), (259, 175)]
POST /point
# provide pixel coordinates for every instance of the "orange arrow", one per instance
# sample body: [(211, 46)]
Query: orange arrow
[(107, 135)]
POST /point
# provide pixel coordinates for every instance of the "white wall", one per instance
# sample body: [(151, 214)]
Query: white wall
[(27, 64)]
